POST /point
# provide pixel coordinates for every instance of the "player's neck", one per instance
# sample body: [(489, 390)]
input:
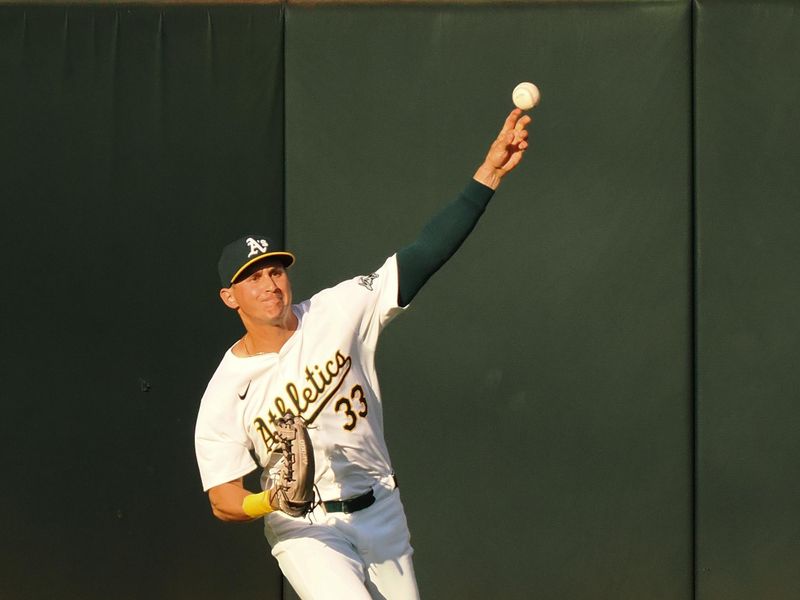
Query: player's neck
[(263, 338)]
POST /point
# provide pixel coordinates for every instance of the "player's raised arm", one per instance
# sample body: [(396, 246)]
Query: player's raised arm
[(448, 229)]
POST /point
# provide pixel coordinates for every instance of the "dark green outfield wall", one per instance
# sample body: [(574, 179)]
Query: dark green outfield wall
[(549, 361), (135, 141), (612, 351), (748, 215)]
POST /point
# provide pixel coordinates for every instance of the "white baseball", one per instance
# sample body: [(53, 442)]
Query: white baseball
[(525, 95)]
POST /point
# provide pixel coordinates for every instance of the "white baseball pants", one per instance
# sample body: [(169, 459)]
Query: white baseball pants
[(365, 555)]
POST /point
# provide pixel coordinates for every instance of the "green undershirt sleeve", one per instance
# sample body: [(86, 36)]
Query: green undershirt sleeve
[(439, 239)]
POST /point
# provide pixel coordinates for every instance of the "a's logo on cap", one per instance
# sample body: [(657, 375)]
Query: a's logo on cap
[(256, 246)]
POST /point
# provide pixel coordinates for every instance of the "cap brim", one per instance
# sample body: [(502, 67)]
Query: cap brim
[(287, 259)]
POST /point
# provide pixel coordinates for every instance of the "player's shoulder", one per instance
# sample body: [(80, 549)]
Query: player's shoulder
[(230, 375), (366, 281), (227, 367)]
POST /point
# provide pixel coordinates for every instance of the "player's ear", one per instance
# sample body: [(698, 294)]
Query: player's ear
[(226, 294)]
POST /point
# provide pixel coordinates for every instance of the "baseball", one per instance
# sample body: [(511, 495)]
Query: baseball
[(525, 95)]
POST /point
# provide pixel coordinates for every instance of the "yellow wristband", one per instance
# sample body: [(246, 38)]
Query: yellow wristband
[(256, 505)]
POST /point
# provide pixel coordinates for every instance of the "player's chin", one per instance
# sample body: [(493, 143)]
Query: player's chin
[(273, 314), (271, 303), (275, 311)]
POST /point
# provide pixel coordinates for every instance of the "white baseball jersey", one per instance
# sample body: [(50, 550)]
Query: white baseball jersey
[(326, 373)]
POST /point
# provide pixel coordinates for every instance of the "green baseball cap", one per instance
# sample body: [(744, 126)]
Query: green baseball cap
[(245, 251)]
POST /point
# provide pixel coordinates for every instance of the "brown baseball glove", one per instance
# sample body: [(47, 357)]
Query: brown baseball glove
[(293, 489)]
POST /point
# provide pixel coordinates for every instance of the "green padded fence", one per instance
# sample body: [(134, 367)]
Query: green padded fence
[(748, 209), (596, 397), (549, 361), (136, 140)]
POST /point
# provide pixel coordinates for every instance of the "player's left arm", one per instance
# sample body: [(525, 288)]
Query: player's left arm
[(231, 501), (447, 230)]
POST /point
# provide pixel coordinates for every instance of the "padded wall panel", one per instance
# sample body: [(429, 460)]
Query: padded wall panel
[(550, 359), (748, 152), (134, 141)]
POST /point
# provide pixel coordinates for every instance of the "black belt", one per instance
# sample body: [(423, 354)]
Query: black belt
[(350, 506)]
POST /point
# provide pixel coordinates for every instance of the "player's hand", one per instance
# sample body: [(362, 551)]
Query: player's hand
[(506, 151)]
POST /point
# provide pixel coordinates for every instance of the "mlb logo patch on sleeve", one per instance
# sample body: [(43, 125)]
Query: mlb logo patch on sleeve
[(367, 280)]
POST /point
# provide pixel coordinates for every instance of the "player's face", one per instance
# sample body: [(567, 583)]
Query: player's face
[(263, 295)]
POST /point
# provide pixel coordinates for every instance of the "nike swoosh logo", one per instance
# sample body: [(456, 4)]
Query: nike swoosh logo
[(247, 389)]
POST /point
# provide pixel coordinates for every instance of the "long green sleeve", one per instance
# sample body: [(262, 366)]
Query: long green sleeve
[(439, 239)]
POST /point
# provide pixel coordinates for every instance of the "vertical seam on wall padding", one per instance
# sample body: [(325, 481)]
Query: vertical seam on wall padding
[(114, 104), (283, 129), (210, 51), (65, 28), (694, 281), (93, 36), (160, 77), (62, 83), (95, 51), (284, 582)]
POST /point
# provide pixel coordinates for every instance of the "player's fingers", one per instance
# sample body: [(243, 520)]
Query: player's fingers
[(511, 120), (523, 122), (505, 139), (520, 134), (512, 162)]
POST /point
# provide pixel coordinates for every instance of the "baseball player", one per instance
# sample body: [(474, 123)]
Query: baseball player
[(316, 359)]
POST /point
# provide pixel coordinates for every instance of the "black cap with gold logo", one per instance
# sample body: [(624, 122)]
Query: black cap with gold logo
[(245, 251)]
